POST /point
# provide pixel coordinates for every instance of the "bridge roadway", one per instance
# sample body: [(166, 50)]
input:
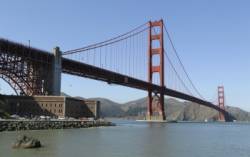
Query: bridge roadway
[(92, 72)]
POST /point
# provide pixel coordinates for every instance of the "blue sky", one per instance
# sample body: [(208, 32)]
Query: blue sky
[(211, 36)]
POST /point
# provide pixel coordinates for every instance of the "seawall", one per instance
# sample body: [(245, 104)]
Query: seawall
[(15, 125)]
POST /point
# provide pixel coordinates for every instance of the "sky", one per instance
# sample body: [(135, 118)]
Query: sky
[(212, 38)]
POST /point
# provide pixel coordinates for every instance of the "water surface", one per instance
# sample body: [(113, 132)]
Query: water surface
[(137, 139)]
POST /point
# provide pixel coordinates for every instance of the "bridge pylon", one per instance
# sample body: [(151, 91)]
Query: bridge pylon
[(221, 102), (57, 71), (156, 48)]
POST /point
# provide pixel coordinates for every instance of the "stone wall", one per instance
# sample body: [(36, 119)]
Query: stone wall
[(54, 106), (78, 108), (12, 125)]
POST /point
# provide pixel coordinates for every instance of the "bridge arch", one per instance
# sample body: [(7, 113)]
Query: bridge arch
[(27, 70), (12, 82)]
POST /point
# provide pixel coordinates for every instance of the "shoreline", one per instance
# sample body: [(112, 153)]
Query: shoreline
[(17, 125)]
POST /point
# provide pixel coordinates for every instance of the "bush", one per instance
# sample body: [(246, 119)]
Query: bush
[(3, 107)]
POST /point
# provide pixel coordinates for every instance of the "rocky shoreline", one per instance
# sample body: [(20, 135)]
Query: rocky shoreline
[(16, 125)]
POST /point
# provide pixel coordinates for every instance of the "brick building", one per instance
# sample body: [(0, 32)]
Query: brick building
[(54, 106)]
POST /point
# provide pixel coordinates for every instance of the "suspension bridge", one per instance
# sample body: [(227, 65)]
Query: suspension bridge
[(144, 58)]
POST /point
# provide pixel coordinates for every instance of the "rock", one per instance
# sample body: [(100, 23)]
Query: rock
[(26, 142)]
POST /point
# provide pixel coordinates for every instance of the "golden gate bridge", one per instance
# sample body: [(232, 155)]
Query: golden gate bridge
[(144, 58)]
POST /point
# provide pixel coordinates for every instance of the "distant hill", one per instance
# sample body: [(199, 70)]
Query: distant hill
[(175, 110), (64, 94), (110, 108)]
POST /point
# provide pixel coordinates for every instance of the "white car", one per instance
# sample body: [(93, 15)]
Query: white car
[(42, 117), (15, 116), (61, 118)]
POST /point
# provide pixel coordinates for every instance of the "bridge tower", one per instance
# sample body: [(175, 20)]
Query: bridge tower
[(156, 49), (56, 71), (221, 102)]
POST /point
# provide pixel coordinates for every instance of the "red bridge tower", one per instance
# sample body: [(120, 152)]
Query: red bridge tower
[(156, 48), (221, 102)]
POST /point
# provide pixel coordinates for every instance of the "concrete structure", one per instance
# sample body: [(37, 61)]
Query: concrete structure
[(54, 106), (57, 70)]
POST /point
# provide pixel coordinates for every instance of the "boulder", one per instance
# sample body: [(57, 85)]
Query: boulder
[(26, 142)]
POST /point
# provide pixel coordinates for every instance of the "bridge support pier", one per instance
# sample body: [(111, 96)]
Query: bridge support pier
[(57, 70), (156, 107), (156, 48)]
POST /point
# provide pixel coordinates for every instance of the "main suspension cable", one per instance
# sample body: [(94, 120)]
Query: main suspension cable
[(178, 57), (172, 65), (109, 41)]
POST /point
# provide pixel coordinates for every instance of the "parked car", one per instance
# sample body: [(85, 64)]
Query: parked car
[(61, 118), (14, 116)]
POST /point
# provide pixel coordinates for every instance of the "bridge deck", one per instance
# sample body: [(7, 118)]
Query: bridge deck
[(22, 50), (89, 71)]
